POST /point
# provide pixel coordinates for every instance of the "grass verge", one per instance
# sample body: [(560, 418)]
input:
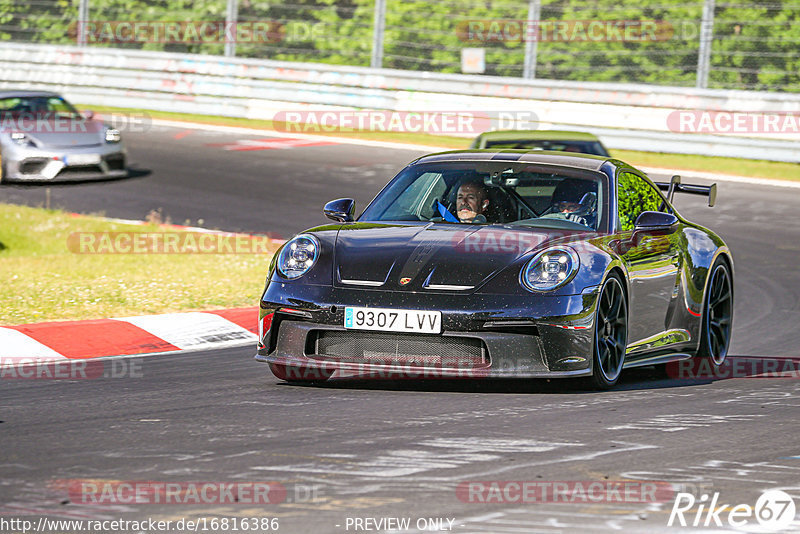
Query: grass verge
[(44, 281), (679, 162), (774, 170)]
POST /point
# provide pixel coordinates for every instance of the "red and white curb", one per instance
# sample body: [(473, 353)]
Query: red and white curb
[(124, 336)]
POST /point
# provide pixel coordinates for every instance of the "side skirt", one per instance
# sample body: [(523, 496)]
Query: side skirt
[(657, 360)]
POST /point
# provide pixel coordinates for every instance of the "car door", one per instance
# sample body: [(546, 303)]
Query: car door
[(652, 258)]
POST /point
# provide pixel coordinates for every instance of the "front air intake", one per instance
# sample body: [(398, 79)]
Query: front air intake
[(440, 352)]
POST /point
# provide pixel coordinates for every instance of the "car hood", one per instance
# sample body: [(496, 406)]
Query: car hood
[(439, 256), (59, 133)]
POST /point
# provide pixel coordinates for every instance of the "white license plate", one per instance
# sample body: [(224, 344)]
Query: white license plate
[(82, 159), (417, 321)]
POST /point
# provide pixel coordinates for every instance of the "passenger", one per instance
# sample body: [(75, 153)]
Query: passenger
[(574, 200)]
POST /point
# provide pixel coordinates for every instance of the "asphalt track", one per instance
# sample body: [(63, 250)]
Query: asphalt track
[(399, 449)]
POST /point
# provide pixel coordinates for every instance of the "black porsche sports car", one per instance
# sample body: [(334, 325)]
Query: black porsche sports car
[(506, 263)]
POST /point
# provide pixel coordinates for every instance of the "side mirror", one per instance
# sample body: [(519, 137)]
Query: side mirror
[(341, 210), (673, 184), (655, 220), (712, 195), (88, 114)]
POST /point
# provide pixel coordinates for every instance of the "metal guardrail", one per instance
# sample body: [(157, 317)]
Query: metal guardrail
[(624, 116)]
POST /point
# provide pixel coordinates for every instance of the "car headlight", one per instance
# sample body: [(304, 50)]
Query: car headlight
[(113, 136), (298, 256), (22, 139), (550, 269)]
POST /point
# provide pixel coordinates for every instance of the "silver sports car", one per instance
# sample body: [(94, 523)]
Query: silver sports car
[(44, 138)]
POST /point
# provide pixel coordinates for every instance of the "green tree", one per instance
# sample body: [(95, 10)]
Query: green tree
[(754, 44)]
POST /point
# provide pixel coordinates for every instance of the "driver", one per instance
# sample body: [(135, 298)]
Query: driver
[(472, 202), (574, 200)]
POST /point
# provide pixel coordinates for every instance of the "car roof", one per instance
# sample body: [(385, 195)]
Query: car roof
[(543, 135), (10, 93), (550, 157)]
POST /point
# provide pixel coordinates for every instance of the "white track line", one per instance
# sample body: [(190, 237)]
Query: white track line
[(275, 133), (724, 177)]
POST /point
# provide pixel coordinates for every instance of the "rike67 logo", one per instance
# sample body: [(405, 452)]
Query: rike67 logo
[(774, 511)]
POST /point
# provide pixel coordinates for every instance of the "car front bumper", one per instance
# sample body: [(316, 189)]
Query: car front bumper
[(483, 336), (33, 164)]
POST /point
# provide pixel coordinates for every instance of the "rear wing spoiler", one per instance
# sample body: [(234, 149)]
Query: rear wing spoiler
[(675, 186)]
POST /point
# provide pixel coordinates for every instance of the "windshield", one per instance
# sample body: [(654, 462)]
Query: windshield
[(37, 107), (491, 193), (582, 147)]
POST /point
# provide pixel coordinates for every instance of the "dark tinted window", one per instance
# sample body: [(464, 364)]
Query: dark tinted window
[(38, 106), (581, 147), (514, 194)]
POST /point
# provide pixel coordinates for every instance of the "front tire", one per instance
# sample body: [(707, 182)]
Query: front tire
[(717, 322), (610, 334)]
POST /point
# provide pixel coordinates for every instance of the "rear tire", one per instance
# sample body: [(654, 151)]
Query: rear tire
[(610, 334), (717, 321), (299, 374)]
